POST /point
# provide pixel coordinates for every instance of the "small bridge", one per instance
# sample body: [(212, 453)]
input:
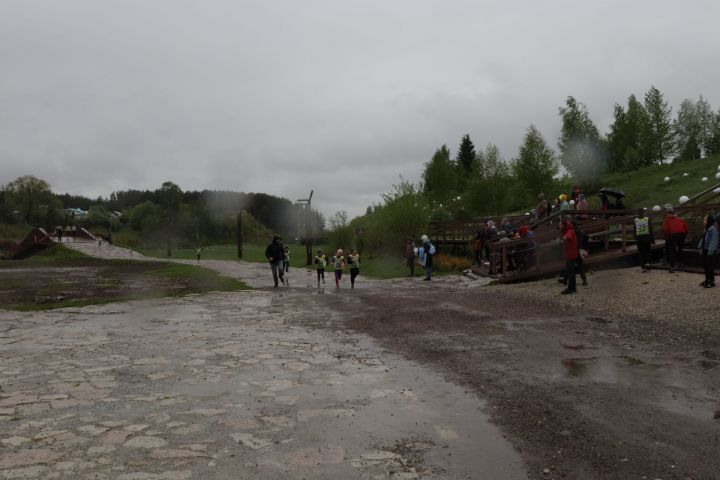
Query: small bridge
[(39, 239)]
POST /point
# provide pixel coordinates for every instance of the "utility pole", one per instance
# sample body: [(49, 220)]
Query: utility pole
[(307, 203), (239, 234)]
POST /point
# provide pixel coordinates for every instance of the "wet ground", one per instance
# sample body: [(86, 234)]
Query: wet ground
[(396, 379), (229, 385)]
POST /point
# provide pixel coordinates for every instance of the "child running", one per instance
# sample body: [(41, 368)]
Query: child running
[(338, 264), (320, 263), (354, 264), (286, 259)]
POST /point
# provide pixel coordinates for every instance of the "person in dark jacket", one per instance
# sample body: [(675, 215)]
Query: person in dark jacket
[(570, 249), (710, 245), (275, 253), (643, 238)]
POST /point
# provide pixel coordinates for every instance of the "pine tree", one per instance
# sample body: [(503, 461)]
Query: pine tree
[(659, 125), (466, 155)]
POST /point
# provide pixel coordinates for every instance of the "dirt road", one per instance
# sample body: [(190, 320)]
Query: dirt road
[(396, 379)]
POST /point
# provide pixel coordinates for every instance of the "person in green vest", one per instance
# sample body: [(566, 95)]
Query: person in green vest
[(353, 261), (644, 238), (320, 264)]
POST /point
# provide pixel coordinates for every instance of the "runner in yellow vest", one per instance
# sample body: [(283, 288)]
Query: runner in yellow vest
[(644, 238)]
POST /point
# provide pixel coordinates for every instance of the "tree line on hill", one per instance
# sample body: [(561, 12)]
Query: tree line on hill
[(153, 216), (481, 182)]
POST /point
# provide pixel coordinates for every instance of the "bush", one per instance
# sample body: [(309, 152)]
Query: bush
[(450, 263)]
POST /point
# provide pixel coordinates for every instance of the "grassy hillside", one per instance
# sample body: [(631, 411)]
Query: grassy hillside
[(647, 187)]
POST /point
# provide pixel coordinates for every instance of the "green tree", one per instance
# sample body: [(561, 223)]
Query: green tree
[(535, 165), (466, 155), (440, 178), (659, 125), (687, 131), (145, 216), (628, 142), (489, 193), (713, 144), (32, 198), (582, 151)]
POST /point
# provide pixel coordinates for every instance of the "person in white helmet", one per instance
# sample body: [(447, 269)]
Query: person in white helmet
[(425, 256)]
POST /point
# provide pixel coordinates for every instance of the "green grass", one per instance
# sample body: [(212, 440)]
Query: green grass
[(45, 287), (251, 253), (646, 187)]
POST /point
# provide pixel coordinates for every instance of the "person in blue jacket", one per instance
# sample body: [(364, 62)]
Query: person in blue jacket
[(709, 245)]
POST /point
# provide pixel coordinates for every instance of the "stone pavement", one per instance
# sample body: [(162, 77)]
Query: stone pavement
[(228, 386)]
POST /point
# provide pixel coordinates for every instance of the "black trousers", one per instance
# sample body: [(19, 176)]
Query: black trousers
[(354, 272), (570, 266), (709, 267), (321, 275), (673, 248), (644, 243)]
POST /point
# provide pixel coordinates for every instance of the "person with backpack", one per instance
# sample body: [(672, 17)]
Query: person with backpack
[(643, 238), (425, 256)]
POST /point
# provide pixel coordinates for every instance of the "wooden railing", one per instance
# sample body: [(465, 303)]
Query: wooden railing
[(609, 239)]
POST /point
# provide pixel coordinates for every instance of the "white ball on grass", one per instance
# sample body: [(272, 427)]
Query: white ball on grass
[(572, 202), (704, 179), (684, 199), (717, 175), (667, 179), (717, 190), (657, 208), (685, 174)]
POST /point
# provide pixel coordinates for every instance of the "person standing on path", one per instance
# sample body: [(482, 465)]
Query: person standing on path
[(709, 245), (674, 230), (353, 262), (198, 251), (643, 238), (425, 256), (410, 256), (275, 253), (542, 210), (570, 248), (338, 265)]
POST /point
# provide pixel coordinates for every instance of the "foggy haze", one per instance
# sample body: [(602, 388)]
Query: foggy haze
[(341, 97)]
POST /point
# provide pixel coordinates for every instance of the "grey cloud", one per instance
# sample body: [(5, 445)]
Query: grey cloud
[(341, 97)]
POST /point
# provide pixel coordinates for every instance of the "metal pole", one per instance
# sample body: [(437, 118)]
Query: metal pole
[(239, 235), (308, 233), (197, 232)]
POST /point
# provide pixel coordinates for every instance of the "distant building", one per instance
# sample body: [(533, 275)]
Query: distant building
[(76, 212)]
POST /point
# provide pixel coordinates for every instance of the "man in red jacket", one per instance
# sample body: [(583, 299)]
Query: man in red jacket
[(674, 230), (570, 247)]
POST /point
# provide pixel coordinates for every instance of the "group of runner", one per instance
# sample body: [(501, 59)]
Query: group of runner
[(279, 257)]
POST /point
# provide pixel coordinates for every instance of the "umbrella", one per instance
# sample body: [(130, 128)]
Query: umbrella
[(612, 192)]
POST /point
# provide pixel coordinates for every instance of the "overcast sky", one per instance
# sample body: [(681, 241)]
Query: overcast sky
[(338, 96)]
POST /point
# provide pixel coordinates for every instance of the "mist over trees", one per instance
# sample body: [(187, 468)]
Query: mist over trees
[(643, 132), (157, 216)]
